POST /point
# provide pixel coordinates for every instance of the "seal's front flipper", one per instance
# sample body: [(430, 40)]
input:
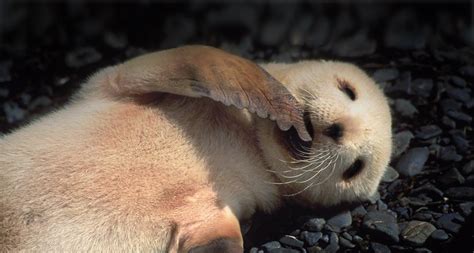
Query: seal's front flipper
[(201, 71)]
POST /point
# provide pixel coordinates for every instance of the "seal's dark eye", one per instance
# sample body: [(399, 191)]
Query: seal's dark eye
[(345, 87), (353, 170), (295, 145)]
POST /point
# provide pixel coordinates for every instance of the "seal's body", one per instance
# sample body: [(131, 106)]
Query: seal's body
[(138, 162)]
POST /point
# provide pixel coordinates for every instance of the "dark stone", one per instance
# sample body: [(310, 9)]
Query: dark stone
[(82, 57), (283, 250), (461, 143), (341, 220), (5, 75), (271, 245), (422, 87), (405, 32), (346, 243), (448, 122), (428, 132), (429, 189), (355, 46), (458, 81), (390, 175), (13, 112), (333, 246), (41, 101), (405, 108), (253, 250), (467, 70), (468, 168), (384, 75), (347, 236), (458, 94), (416, 232), (115, 40), (319, 33), (460, 193), (439, 235), (177, 37), (382, 224), (311, 238), (403, 84), (422, 250), (300, 30), (379, 248), (459, 116), (451, 177), (314, 225), (359, 211), (401, 141), (412, 162), (289, 240), (423, 216), (466, 208), (449, 105), (450, 222), (381, 206)]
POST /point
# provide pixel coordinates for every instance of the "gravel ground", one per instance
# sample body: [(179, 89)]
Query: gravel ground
[(422, 55)]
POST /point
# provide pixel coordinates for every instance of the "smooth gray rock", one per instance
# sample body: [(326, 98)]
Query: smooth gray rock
[(412, 162), (382, 224), (417, 232)]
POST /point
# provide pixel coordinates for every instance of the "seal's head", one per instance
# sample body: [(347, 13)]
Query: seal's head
[(349, 119)]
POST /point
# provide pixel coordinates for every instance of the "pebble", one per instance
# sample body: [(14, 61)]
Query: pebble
[(448, 105), (405, 108), (450, 222), (467, 70), (382, 225), (333, 246), (468, 168), (422, 87), (271, 245), (412, 162), (401, 141), (390, 175), (341, 220), (384, 75), (346, 243), (355, 46), (461, 143), (458, 81), (5, 75), (291, 241), (283, 250), (379, 248), (458, 94), (423, 216), (311, 238), (462, 192), (41, 101), (13, 112), (459, 116), (82, 57), (428, 132), (314, 225), (359, 211), (451, 177), (439, 235), (416, 232), (466, 208)]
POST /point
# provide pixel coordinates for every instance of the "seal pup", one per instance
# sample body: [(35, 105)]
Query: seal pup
[(145, 159)]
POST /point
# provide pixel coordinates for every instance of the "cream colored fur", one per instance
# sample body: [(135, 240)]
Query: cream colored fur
[(105, 174)]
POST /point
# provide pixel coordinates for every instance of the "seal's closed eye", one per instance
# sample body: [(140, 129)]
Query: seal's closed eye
[(345, 87)]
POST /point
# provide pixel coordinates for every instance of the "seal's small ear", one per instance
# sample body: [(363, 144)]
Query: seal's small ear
[(201, 71)]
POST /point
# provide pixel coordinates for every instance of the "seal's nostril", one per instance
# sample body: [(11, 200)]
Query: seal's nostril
[(335, 131)]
